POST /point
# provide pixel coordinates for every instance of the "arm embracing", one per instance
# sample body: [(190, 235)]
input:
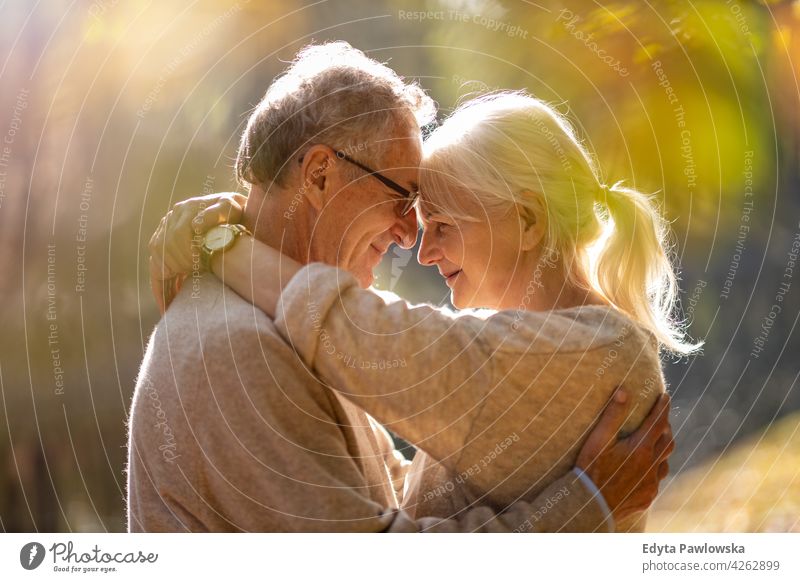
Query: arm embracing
[(423, 373)]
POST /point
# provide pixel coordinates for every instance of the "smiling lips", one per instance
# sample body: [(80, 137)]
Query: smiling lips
[(451, 277), (379, 252)]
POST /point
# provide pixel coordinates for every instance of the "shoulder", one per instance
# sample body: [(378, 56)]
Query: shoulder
[(217, 350), (210, 315), (210, 332), (577, 329)]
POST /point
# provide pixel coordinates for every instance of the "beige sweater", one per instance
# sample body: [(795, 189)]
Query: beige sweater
[(500, 402), (230, 431)]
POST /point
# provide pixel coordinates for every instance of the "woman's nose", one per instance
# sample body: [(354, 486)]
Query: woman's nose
[(429, 253)]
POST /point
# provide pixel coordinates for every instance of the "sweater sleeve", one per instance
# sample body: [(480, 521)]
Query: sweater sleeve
[(565, 506), (422, 372)]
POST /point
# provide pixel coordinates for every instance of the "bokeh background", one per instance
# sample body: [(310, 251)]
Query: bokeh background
[(110, 111)]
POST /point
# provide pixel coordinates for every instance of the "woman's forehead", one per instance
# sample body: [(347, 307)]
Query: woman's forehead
[(450, 208)]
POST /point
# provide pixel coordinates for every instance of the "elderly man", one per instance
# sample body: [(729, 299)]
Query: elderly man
[(230, 431)]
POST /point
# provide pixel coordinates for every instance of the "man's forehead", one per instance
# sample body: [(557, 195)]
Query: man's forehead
[(406, 139), (403, 159), (406, 149)]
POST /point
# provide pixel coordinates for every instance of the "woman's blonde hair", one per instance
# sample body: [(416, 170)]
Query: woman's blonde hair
[(505, 147)]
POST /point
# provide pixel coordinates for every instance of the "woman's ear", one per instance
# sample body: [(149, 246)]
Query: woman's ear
[(313, 175), (533, 219)]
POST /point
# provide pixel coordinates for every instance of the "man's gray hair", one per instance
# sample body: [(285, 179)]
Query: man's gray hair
[(332, 94)]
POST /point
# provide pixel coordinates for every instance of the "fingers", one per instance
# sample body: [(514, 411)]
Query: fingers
[(174, 246), (651, 444), (606, 432), (167, 260), (156, 234), (226, 210), (162, 269), (664, 448), (656, 423), (646, 489), (155, 246), (177, 284), (166, 290), (176, 240), (240, 199), (162, 283), (157, 287), (180, 244), (191, 220), (648, 450)]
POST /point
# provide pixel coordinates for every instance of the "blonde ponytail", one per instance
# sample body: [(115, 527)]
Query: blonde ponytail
[(632, 268)]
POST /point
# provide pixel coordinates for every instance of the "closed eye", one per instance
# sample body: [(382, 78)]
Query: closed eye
[(442, 227), (436, 223)]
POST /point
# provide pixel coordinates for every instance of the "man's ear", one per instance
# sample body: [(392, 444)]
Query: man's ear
[(314, 181), (533, 219)]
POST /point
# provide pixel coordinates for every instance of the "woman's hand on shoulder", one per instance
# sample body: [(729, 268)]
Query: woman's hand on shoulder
[(175, 245)]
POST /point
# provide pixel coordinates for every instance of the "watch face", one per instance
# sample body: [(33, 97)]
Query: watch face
[(218, 238)]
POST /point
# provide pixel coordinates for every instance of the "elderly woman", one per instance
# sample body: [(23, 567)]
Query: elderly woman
[(577, 290)]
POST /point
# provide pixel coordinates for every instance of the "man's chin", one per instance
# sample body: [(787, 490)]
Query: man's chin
[(365, 279)]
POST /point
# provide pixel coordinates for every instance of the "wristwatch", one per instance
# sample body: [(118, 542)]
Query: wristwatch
[(219, 239)]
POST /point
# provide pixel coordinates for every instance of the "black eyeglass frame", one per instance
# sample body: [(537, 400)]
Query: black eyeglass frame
[(409, 196)]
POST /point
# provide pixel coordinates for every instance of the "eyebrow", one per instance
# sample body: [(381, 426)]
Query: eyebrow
[(435, 217)]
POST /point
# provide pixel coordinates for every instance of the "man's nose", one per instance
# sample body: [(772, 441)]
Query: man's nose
[(404, 230), (429, 253)]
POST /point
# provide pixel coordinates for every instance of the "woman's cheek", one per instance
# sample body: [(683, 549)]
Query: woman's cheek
[(476, 255), (454, 248)]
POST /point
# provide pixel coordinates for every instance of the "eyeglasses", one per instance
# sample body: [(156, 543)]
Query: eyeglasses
[(409, 196)]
